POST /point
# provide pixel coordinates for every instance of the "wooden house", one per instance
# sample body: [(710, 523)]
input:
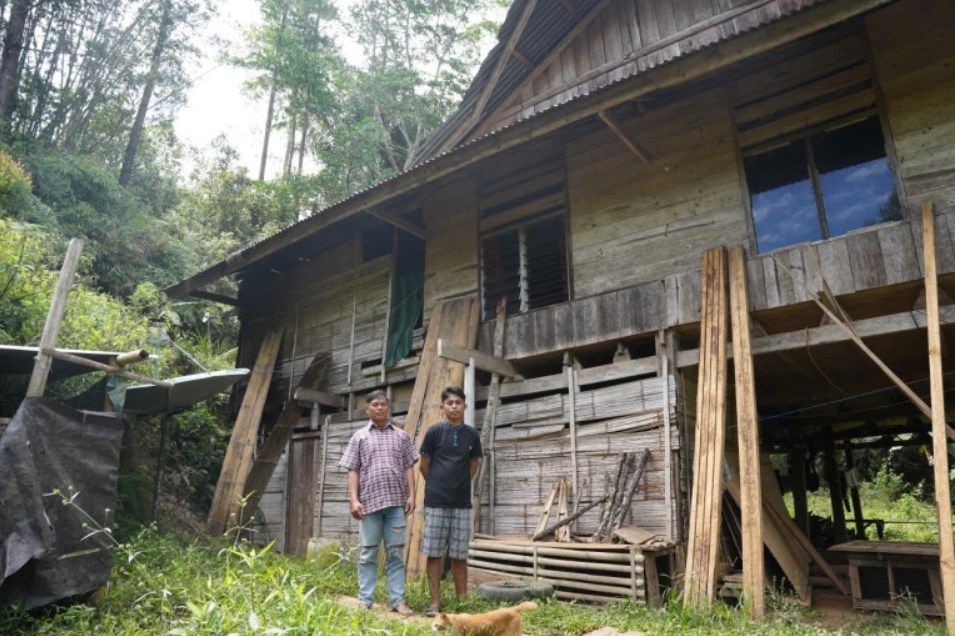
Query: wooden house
[(601, 148)]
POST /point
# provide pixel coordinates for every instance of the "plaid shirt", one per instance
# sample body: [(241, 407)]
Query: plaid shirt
[(381, 457)]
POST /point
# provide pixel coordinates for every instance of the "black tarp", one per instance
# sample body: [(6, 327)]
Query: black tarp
[(45, 553)]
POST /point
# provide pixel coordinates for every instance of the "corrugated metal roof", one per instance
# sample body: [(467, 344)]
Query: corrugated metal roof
[(540, 40)]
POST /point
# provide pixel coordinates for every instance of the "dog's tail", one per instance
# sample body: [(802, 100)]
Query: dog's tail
[(526, 605)]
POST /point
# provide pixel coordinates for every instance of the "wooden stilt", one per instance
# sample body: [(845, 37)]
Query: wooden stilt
[(487, 428), (747, 428), (943, 499), (238, 457), (160, 464), (54, 318), (797, 474), (857, 515), (835, 496)]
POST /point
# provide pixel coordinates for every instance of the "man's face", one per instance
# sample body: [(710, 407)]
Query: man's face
[(453, 408), (378, 410)]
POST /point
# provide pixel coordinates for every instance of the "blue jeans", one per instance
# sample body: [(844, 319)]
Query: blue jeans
[(388, 524)]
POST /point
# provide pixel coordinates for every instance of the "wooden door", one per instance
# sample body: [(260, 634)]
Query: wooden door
[(300, 495)]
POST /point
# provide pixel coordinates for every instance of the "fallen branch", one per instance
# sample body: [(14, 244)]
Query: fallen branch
[(563, 522)]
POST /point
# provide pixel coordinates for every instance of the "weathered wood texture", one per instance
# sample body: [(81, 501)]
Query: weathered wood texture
[(650, 306), (913, 54), (633, 222), (272, 506), (702, 550), (300, 495), (238, 457), (627, 37), (451, 256), (532, 450)]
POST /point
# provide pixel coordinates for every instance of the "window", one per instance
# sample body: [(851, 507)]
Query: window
[(821, 185), (526, 263)]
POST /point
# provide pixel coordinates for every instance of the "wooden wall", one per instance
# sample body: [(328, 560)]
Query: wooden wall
[(914, 55), (451, 254), (633, 222)]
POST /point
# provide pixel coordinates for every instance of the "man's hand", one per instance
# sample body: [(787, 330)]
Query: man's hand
[(356, 510), (410, 505)]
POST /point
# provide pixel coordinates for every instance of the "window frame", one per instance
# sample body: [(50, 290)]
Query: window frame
[(521, 226)]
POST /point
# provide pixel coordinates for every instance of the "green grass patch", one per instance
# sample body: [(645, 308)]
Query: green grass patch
[(162, 586)]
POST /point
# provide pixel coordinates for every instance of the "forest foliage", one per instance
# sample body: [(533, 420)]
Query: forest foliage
[(89, 92)]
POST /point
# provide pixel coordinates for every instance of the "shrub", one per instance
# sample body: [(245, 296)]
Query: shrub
[(16, 198)]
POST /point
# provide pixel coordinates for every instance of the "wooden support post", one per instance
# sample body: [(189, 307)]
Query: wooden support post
[(321, 479), (470, 392), (160, 463), (835, 496), (699, 583), (628, 140), (943, 499), (663, 359), (487, 428), (854, 493), (747, 428), (238, 457), (54, 318), (797, 474), (392, 281), (572, 417)]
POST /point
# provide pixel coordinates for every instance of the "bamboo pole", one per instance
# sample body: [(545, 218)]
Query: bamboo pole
[(664, 360), (105, 368), (572, 405), (54, 318), (943, 499), (560, 524)]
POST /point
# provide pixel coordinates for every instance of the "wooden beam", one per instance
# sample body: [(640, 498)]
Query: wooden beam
[(509, 47), (830, 334), (747, 429), (943, 500), (482, 360), (490, 417), (314, 396), (699, 583), (54, 318), (571, 9), (679, 71), (238, 457), (105, 368), (628, 140), (401, 223), (216, 298), (522, 59)]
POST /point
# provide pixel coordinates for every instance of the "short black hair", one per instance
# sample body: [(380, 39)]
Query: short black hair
[(453, 390), (377, 394)]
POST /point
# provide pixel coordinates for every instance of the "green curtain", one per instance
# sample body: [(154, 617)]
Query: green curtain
[(406, 308)]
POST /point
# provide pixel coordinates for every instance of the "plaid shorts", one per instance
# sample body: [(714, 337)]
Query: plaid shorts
[(446, 531)]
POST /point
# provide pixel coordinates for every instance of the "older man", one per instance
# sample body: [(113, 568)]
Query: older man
[(381, 491)]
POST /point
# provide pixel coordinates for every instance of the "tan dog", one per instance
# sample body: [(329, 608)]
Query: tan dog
[(500, 622)]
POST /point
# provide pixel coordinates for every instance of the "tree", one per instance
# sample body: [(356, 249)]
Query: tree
[(10, 60)]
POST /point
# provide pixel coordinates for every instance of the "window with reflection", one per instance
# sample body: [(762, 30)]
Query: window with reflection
[(821, 185)]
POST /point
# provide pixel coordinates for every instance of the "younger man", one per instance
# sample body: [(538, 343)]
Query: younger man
[(381, 491), (450, 455)]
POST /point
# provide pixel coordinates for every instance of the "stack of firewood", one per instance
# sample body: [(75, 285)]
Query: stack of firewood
[(624, 486)]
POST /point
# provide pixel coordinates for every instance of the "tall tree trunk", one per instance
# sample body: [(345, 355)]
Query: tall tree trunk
[(301, 144), (268, 130), (135, 134), (271, 111), (10, 60), (290, 145)]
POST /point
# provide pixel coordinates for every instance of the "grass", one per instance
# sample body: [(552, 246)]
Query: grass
[(161, 585)]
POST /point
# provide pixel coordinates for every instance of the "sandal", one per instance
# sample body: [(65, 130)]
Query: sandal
[(432, 610), (402, 610)]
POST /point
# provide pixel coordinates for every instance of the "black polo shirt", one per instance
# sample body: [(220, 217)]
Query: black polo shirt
[(451, 449)]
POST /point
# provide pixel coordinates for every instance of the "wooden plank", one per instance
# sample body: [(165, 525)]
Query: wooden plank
[(457, 324), (277, 441), (238, 457), (747, 429), (490, 417), (54, 318), (482, 360), (628, 139), (706, 499), (865, 258), (943, 501), (572, 415), (310, 396), (400, 223)]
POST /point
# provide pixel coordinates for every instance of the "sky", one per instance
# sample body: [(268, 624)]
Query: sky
[(217, 105)]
